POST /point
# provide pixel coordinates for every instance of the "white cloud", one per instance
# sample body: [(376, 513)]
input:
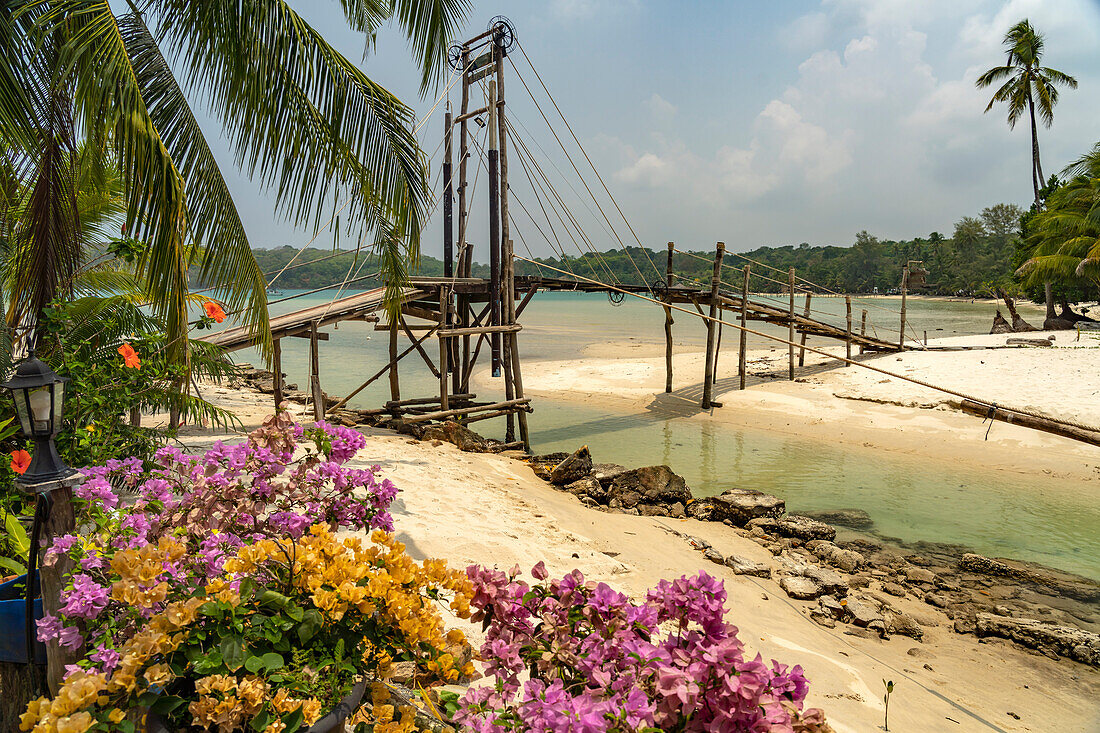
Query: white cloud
[(660, 108)]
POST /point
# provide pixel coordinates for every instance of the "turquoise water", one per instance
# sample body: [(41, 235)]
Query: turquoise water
[(1056, 522)]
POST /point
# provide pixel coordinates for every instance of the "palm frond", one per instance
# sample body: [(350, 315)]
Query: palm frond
[(108, 96), (225, 259), (304, 121), (430, 25)]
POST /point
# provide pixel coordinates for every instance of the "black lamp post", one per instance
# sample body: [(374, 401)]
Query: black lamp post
[(39, 395)]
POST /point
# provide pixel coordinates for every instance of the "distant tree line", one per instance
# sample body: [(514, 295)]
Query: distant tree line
[(980, 255)]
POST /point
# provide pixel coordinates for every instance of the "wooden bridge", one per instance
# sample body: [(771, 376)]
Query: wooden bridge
[(464, 314)]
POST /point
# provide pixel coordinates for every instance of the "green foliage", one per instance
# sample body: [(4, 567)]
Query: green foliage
[(974, 261), (1062, 240), (81, 341)]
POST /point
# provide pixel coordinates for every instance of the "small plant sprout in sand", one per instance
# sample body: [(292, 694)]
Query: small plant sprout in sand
[(886, 699)]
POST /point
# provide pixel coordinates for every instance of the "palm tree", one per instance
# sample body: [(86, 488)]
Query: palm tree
[(1026, 85), (1065, 238), (304, 123)]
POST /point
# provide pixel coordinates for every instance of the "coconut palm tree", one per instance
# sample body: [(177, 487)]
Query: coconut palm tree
[(1065, 238), (1026, 85), (303, 121)]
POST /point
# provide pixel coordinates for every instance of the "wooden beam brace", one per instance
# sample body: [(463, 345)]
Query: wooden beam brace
[(416, 344)]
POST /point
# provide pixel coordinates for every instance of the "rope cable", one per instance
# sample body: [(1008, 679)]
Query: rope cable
[(590, 163)]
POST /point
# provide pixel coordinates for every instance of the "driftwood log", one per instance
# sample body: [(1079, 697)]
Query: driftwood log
[(1029, 421)]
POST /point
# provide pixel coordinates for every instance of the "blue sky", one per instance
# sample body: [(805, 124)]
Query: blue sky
[(761, 123)]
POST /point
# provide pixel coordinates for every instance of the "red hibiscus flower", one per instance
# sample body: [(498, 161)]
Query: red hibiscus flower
[(130, 356), (20, 461), (213, 310)]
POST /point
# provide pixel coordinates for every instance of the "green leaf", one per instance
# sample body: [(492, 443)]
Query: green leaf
[(311, 624), (273, 599), (262, 719), (233, 652), (254, 664), (273, 661), (17, 536), (12, 566), (294, 611), (210, 662), (165, 704), (293, 721)]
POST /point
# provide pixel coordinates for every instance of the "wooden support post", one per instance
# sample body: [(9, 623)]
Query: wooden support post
[(444, 350), (742, 365), (395, 385), (802, 347), (494, 229), (60, 521), (848, 332), (790, 326), (668, 320), (904, 289), (862, 328), (448, 198), (463, 155), (465, 255), (708, 369), (315, 374), (277, 363), (135, 415)]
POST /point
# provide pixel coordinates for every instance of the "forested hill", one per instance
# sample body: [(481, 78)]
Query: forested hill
[(979, 256)]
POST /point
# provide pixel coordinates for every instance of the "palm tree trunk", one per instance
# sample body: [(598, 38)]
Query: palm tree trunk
[(1036, 167), (1049, 291)]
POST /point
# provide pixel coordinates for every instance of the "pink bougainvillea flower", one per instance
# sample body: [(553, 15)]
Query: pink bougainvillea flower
[(130, 356), (20, 461), (213, 310)]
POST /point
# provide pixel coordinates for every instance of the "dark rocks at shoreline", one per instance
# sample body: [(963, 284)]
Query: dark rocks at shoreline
[(794, 526), (738, 506), (850, 518), (572, 468), (651, 484), (1049, 639)]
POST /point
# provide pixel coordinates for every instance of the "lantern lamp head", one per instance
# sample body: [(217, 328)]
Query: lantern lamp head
[(39, 395)]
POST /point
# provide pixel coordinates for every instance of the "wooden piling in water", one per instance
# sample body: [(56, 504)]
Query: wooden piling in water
[(802, 345), (790, 326), (862, 328), (904, 289), (315, 374), (395, 385), (708, 369), (444, 349), (848, 331), (277, 363), (741, 359), (668, 320)]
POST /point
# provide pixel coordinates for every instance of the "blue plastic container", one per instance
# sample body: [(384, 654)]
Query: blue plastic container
[(13, 616)]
